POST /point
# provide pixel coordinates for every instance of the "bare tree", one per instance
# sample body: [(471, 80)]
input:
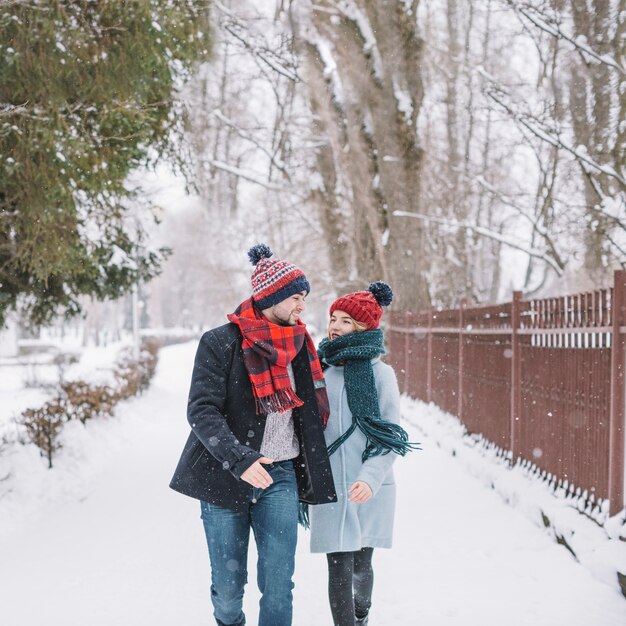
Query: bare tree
[(585, 120), (362, 68)]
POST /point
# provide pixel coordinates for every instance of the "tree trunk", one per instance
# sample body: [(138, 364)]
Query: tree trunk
[(363, 70)]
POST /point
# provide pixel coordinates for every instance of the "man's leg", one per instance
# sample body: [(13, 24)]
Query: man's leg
[(363, 582), (227, 533), (275, 525)]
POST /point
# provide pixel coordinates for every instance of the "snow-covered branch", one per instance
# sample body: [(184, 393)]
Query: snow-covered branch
[(249, 176), (533, 220), (550, 135), (270, 58), (260, 49), (551, 26), (485, 232), (279, 165), (5, 4), (13, 109)]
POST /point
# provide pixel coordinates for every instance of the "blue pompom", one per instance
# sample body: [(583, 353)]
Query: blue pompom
[(258, 252), (382, 292)]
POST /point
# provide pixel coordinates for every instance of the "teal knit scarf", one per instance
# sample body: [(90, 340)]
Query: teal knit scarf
[(355, 352)]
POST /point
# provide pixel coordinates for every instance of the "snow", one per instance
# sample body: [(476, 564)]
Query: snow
[(407, 6), (370, 46), (404, 100), (110, 543), (594, 539), (331, 73)]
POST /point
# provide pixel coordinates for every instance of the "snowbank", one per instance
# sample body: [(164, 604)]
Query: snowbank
[(599, 547)]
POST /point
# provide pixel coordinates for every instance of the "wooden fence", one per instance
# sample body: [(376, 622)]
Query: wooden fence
[(543, 379)]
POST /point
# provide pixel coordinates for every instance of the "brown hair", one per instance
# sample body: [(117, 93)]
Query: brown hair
[(359, 327)]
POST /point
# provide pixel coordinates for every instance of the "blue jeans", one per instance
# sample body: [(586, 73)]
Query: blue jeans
[(272, 514)]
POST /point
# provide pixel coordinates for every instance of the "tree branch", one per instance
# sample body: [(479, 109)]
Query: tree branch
[(485, 232), (249, 176), (551, 26), (549, 135)]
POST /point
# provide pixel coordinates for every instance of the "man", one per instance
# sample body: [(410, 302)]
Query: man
[(257, 409)]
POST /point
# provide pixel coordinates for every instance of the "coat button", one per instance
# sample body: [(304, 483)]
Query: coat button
[(225, 464), (250, 433)]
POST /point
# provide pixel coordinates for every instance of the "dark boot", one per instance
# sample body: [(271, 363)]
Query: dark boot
[(362, 621)]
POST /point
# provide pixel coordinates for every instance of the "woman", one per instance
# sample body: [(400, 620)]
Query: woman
[(363, 438)]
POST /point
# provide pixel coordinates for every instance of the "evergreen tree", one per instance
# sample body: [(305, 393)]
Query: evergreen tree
[(87, 94)]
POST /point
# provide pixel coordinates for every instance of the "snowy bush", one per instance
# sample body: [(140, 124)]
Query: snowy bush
[(43, 426), (82, 401), (134, 375)]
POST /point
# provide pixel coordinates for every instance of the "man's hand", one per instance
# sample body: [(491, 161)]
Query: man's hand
[(360, 492), (256, 474)]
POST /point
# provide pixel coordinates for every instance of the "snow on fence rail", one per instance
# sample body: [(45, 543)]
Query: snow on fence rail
[(542, 379)]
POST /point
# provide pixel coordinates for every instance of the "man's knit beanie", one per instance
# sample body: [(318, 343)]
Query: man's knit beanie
[(274, 280), (365, 306)]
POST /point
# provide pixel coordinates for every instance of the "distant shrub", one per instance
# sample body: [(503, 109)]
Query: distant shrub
[(84, 401), (150, 350), (134, 375), (80, 400), (43, 426)]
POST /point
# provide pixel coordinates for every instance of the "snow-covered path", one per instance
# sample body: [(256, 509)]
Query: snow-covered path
[(131, 552)]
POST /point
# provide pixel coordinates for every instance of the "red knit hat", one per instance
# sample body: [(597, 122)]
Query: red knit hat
[(274, 280), (365, 306)]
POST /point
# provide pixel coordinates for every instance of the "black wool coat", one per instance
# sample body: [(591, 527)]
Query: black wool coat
[(226, 432)]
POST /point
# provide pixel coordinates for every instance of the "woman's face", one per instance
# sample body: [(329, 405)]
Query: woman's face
[(340, 324)]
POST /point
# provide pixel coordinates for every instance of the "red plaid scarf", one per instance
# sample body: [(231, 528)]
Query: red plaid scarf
[(267, 351)]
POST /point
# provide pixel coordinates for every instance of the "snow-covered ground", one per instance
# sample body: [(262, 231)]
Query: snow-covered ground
[(109, 544)]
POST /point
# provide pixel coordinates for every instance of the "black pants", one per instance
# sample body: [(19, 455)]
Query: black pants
[(350, 582)]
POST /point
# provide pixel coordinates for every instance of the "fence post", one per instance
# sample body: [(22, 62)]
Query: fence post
[(429, 352), (516, 377), (616, 420), (407, 325), (460, 387)]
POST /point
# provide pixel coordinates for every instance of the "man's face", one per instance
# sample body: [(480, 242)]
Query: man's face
[(286, 312)]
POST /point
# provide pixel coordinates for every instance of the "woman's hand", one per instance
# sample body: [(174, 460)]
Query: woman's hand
[(360, 492)]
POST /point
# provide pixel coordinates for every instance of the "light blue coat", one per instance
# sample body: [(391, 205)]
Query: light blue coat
[(345, 526)]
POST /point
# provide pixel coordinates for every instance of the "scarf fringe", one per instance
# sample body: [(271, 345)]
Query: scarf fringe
[(384, 437), (303, 515), (278, 402), (335, 444)]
